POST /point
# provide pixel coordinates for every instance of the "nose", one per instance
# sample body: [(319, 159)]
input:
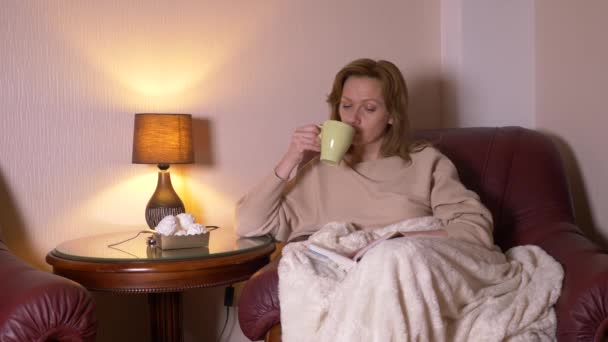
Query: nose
[(354, 118), (348, 120)]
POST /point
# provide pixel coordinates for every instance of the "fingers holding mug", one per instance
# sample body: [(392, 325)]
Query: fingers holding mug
[(303, 139), (306, 138)]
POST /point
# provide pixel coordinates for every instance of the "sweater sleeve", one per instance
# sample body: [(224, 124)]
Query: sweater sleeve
[(261, 211), (460, 210)]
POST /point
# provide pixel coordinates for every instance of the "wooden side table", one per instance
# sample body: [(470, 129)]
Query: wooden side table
[(134, 267)]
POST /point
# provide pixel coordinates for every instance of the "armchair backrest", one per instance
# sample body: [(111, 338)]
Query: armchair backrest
[(518, 174)]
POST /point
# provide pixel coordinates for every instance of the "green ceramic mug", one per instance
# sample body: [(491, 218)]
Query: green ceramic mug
[(336, 137)]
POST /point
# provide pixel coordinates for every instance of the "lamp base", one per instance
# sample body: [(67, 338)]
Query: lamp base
[(164, 201)]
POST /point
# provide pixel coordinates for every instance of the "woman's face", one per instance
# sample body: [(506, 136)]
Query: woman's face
[(362, 106)]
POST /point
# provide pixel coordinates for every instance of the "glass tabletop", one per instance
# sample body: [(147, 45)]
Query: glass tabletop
[(133, 246)]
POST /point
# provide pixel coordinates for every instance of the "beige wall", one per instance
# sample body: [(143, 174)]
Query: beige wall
[(572, 79), (73, 73), (487, 63)]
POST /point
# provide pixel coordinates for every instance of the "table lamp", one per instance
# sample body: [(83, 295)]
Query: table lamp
[(163, 139)]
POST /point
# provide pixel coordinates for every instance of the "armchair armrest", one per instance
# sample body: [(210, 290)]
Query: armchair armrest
[(582, 308), (40, 306), (259, 307)]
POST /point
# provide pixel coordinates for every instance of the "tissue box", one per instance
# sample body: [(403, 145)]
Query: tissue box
[(183, 241)]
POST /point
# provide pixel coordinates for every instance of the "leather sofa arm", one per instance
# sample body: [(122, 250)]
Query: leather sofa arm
[(40, 306), (582, 308), (259, 306)]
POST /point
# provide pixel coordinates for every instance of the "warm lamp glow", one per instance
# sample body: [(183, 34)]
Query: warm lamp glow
[(167, 56), (135, 190)]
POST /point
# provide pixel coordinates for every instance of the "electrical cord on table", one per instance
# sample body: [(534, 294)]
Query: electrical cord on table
[(113, 245), (129, 239)]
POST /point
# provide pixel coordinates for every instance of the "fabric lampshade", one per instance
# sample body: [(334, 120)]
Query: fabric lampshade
[(162, 139)]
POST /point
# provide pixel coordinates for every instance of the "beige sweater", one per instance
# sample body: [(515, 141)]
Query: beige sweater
[(370, 194)]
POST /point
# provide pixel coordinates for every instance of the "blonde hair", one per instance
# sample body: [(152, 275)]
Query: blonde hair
[(397, 139)]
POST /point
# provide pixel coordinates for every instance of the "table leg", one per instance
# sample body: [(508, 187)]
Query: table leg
[(165, 317)]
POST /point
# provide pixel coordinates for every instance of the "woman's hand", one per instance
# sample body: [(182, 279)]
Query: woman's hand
[(303, 140)]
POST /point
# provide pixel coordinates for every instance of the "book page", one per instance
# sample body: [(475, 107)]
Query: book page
[(336, 257), (351, 259), (376, 242)]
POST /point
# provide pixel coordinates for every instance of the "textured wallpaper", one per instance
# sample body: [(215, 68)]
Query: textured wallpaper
[(73, 73)]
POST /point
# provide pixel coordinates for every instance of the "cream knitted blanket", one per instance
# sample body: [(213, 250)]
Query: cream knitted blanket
[(416, 289)]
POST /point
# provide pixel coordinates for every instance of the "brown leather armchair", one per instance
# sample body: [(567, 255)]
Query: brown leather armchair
[(520, 177), (40, 306)]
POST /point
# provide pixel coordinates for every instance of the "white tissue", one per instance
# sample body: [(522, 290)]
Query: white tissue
[(167, 226), (180, 225), (195, 229), (185, 220), (180, 233)]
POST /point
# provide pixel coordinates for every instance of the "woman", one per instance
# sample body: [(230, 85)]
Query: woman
[(385, 177), (444, 281)]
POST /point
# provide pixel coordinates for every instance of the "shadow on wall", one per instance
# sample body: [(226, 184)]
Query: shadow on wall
[(449, 107), (123, 317), (204, 314), (425, 106), (12, 226), (582, 209), (202, 139)]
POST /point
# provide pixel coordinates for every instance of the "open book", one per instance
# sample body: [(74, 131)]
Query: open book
[(346, 260)]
